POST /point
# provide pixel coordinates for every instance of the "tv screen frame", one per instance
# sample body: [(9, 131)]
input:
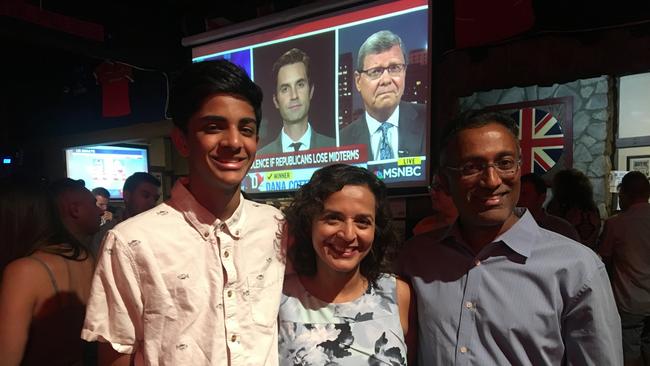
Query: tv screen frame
[(95, 174), (340, 29)]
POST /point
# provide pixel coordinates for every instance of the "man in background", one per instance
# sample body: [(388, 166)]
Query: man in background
[(494, 288), (292, 97), (141, 192), (77, 208), (444, 211), (102, 195), (533, 196), (625, 248), (389, 127)]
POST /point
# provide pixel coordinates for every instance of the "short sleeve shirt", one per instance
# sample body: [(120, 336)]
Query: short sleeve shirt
[(181, 287)]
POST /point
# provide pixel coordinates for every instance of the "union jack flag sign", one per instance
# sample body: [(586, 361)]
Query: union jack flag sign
[(541, 138)]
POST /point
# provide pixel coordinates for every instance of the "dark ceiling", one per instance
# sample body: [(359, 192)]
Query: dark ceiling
[(50, 48), (143, 33), (47, 45)]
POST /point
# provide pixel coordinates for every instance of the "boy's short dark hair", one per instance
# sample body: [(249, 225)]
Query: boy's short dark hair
[(133, 181), (201, 80)]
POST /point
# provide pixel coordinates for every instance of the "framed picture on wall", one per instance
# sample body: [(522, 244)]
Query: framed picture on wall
[(545, 133), (639, 163)]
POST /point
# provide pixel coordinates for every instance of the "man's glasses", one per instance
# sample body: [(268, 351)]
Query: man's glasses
[(376, 72), (506, 168)]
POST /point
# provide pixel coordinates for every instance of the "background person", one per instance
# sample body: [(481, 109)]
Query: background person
[(625, 247), (573, 200), (444, 211), (342, 301), (102, 197), (45, 281), (292, 97), (495, 289), (141, 192), (532, 196), (389, 127), (77, 209)]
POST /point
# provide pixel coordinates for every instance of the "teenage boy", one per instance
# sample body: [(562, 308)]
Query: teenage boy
[(197, 279)]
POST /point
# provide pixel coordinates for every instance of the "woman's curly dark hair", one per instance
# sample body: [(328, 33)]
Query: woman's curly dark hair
[(308, 204)]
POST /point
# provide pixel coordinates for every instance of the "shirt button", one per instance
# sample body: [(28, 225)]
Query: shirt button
[(226, 254), (229, 293), (233, 338), (469, 304), (206, 234), (463, 349)]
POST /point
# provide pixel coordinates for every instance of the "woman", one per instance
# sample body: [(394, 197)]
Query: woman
[(342, 307), (46, 277)]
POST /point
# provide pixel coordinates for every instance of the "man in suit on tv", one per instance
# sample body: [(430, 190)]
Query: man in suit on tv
[(389, 127), (292, 97)]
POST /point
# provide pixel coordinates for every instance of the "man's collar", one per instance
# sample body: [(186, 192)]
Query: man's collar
[(521, 237), (304, 140), (373, 124), (199, 217)]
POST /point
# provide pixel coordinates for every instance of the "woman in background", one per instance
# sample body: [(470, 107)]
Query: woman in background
[(45, 282), (573, 200), (342, 306)]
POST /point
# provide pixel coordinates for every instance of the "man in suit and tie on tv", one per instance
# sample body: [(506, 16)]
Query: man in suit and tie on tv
[(292, 97), (389, 127)]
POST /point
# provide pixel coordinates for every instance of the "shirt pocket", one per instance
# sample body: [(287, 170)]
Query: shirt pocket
[(264, 294)]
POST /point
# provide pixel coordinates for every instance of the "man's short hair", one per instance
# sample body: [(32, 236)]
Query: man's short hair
[(61, 186), (201, 80), (293, 56), (132, 182), (474, 119), (635, 185), (537, 182), (379, 42), (101, 191)]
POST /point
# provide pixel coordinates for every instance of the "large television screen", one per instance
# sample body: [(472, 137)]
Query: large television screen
[(106, 166), (351, 86)]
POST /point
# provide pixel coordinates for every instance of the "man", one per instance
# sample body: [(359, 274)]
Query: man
[(102, 195), (532, 197), (390, 128), (444, 211), (495, 289), (140, 193), (293, 92), (197, 279), (625, 245), (77, 208)]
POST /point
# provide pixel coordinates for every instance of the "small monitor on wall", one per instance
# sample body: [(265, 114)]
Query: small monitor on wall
[(106, 166), (347, 103)]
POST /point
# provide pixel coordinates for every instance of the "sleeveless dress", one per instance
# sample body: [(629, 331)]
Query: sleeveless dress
[(366, 331), (54, 334)]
